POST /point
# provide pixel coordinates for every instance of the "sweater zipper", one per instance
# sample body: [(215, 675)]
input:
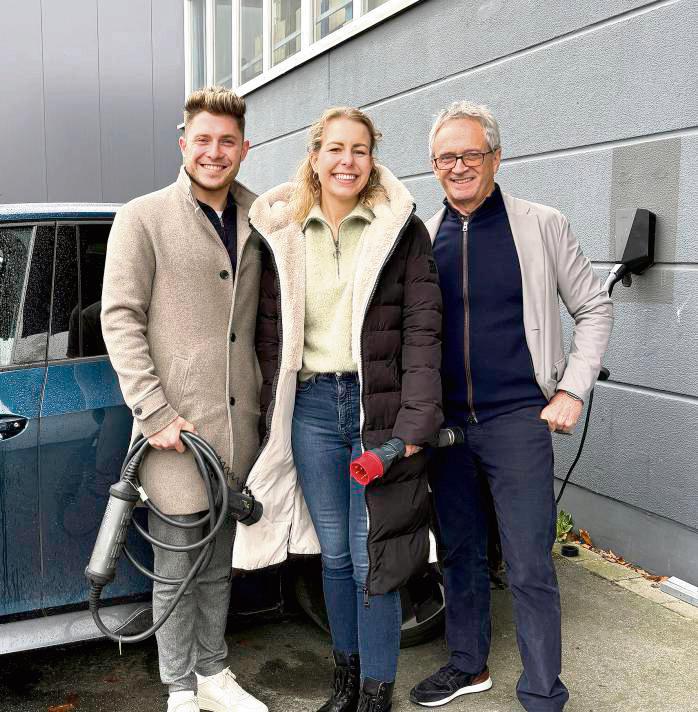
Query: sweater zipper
[(472, 418), (361, 380)]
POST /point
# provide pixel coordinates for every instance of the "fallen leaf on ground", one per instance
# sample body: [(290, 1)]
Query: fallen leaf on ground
[(584, 534)]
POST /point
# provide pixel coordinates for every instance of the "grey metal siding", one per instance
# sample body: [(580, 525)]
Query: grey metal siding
[(93, 94), (598, 105), (22, 106)]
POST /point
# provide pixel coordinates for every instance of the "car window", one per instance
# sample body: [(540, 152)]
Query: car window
[(25, 292), (75, 322), (64, 342)]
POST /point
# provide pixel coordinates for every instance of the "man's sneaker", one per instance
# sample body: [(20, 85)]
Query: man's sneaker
[(448, 683), (184, 701), (221, 693)]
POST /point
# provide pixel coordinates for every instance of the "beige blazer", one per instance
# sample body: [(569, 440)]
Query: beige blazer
[(552, 266), (169, 309)]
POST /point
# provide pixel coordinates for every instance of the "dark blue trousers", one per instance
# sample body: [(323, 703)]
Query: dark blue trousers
[(513, 455)]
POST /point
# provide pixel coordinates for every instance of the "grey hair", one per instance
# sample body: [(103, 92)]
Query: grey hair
[(468, 110)]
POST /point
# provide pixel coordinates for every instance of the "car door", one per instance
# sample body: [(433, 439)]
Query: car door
[(85, 426), (26, 255)]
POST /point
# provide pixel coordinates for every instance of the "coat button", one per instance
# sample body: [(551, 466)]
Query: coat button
[(138, 411), (232, 337), (232, 401), (224, 274)]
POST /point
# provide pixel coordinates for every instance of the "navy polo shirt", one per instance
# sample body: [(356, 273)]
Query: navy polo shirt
[(227, 229), (492, 339)]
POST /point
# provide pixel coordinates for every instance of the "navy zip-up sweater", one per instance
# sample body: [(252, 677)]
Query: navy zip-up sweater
[(226, 228), (492, 347)]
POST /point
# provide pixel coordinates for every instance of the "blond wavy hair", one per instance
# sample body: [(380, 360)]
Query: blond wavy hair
[(307, 189)]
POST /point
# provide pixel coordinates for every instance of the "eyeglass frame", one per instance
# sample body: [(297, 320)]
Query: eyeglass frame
[(459, 157)]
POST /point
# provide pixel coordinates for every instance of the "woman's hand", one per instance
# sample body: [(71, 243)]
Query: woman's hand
[(411, 449)]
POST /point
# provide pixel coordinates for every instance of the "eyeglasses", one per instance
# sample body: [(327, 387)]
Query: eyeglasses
[(471, 159)]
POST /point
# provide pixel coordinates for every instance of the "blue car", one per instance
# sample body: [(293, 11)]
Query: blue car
[(64, 430)]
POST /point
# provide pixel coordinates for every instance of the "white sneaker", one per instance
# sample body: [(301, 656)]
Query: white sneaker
[(184, 701), (220, 693)]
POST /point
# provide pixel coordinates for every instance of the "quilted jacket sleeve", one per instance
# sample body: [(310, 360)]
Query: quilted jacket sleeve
[(267, 341), (420, 415)]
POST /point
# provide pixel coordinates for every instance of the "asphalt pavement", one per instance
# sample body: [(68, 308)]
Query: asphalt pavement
[(627, 648)]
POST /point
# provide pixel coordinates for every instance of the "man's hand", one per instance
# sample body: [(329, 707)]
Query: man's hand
[(168, 438), (562, 412), (411, 450)]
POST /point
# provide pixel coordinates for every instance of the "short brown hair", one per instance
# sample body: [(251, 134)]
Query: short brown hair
[(215, 100)]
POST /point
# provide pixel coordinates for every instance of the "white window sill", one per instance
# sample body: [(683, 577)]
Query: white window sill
[(351, 29)]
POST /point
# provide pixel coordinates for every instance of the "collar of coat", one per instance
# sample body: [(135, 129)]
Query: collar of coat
[(243, 199), (271, 216)]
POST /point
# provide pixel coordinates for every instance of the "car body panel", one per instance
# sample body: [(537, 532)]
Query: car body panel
[(20, 539), (85, 430)]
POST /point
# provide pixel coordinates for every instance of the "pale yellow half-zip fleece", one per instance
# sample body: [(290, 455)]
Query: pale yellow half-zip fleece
[(329, 290)]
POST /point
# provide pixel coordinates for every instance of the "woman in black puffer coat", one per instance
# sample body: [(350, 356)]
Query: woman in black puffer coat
[(348, 341)]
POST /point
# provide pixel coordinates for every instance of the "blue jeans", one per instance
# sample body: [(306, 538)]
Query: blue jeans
[(513, 455), (325, 439)]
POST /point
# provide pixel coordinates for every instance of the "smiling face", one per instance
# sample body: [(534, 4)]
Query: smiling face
[(343, 162), (466, 187), (212, 149)]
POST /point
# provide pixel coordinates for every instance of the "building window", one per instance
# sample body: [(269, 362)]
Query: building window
[(251, 45), (245, 43), (330, 15), (223, 73), (372, 4), (197, 51), (286, 29)]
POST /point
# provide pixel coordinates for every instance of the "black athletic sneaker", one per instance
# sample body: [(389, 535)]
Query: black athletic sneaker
[(448, 683)]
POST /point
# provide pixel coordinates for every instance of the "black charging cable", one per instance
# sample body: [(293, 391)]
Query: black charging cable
[(603, 376), (123, 497)]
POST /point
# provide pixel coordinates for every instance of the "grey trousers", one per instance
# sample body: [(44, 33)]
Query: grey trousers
[(193, 637)]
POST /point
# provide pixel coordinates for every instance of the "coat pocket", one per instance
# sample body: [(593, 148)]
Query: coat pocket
[(559, 369), (176, 383)]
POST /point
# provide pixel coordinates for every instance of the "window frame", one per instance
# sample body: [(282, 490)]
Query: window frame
[(34, 225), (361, 21), (73, 223)]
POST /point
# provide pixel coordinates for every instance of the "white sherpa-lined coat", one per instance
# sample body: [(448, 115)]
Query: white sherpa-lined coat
[(285, 526)]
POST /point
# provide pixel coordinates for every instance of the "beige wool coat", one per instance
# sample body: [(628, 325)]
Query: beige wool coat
[(179, 330)]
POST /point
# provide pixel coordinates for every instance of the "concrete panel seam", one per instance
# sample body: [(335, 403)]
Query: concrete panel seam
[(533, 49), (688, 131), (668, 395), (575, 485), (281, 137), (667, 266)]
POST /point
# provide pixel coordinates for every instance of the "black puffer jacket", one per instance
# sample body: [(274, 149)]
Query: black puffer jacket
[(396, 344)]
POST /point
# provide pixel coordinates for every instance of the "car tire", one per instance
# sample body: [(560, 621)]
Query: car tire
[(422, 599)]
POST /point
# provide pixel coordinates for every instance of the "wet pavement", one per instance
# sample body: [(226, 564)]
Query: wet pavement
[(622, 653)]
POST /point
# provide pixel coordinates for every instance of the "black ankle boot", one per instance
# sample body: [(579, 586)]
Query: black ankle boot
[(376, 696), (347, 678)]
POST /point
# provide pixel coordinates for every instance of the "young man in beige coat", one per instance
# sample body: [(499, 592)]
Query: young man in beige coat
[(504, 264), (181, 288)]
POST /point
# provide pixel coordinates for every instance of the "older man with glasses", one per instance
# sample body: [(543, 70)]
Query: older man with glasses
[(503, 263)]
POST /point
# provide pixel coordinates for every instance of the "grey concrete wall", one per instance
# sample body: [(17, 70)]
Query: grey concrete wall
[(92, 95), (598, 105)]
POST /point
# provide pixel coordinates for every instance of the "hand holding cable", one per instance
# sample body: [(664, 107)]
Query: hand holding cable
[(123, 497)]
